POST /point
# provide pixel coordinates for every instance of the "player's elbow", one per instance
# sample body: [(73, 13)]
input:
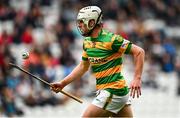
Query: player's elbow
[(137, 51), (141, 52)]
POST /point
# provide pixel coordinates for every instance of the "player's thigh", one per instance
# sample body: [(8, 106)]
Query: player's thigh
[(126, 111), (94, 111)]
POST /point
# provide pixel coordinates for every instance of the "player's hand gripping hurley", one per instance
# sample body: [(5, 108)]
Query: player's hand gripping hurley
[(45, 82)]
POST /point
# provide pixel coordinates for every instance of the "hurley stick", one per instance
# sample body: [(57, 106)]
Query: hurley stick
[(45, 82)]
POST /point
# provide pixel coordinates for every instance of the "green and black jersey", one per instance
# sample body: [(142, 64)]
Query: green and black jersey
[(104, 53)]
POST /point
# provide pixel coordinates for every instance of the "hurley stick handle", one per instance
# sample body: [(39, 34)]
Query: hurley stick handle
[(45, 82), (71, 96)]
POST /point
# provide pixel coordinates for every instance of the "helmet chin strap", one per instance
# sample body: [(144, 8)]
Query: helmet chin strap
[(90, 31)]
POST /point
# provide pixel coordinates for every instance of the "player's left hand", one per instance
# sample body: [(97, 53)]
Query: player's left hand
[(135, 88)]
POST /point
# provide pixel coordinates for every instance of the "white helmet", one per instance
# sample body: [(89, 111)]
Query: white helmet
[(88, 13)]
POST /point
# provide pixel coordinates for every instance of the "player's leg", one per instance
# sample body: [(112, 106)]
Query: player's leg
[(94, 111), (126, 111)]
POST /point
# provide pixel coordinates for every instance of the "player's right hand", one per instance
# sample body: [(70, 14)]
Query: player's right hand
[(56, 87)]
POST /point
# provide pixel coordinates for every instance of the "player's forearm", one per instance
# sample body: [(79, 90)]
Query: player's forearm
[(75, 74), (139, 62)]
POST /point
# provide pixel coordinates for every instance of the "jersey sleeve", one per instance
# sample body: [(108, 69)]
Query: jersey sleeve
[(84, 54), (121, 45)]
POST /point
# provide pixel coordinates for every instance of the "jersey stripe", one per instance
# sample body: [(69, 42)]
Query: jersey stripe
[(110, 78), (99, 45), (107, 72), (110, 64), (120, 92), (84, 56), (93, 52), (115, 85), (112, 57)]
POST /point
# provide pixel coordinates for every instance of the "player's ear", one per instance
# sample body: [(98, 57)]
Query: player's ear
[(91, 23)]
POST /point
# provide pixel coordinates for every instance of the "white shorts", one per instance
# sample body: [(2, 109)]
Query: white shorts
[(110, 102)]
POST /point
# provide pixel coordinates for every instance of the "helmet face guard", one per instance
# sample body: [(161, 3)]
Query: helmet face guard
[(85, 15), (79, 29)]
